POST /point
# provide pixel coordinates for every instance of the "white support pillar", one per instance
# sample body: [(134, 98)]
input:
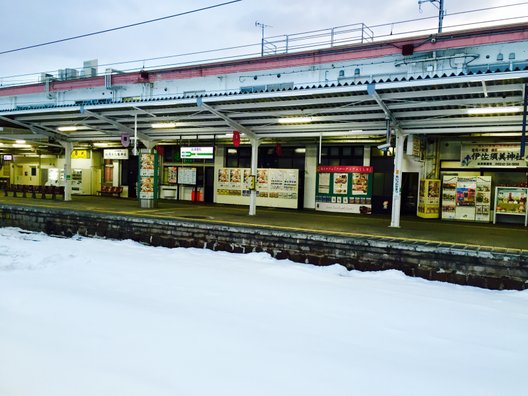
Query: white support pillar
[(68, 148), (254, 163), (396, 190)]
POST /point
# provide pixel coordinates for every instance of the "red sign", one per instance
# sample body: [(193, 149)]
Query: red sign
[(236, 138), (345, 169)]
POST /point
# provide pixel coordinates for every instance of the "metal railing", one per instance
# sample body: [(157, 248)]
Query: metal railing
[(357, 33)]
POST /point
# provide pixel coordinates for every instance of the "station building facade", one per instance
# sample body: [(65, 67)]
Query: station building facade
[(427, 124)]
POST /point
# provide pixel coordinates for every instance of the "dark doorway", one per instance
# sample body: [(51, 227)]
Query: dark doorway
[(129, 175), (382, 184), (409, 192), (209, 184)]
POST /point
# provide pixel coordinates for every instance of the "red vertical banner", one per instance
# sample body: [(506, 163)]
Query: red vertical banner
[(236, 138)]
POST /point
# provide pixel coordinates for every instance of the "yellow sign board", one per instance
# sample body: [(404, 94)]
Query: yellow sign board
[(80, 154)]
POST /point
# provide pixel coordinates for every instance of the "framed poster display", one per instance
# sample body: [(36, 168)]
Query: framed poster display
[(344, 189), (429, 199), (275, 187), (510, 201), (148, 178), (449, 197), (466, 198)]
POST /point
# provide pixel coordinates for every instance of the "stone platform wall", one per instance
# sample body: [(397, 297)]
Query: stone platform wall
[(483, 268)]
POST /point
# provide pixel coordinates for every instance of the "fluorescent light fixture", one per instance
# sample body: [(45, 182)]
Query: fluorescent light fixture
[(100, 144), (20, 141), (162, 125), (300, 150), (20, 145), (1, 144), (229, 135), (295, 120), (67, 129), (494, 110)]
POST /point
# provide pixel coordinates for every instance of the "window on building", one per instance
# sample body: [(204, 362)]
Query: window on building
[(342, 155)]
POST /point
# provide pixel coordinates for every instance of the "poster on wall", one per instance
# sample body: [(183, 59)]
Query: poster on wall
[(275, 187), (172, 177), (449, 197), (324, 183), (429, 199), (187, 175), (344, 189)]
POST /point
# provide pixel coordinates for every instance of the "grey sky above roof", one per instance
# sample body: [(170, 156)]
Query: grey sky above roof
[(33, 21)]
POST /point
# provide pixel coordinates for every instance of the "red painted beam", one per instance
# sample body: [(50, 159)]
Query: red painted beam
[(474, 37)]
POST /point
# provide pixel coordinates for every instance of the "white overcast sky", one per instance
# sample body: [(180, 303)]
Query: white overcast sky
[(29, 22)]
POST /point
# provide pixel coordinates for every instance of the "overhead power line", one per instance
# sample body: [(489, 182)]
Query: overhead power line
[(118, 28)]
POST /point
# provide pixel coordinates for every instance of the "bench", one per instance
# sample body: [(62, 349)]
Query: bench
[(24, 190), (110, 191)]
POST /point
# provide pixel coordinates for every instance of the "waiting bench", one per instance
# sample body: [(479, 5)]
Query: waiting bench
[(43, 191), (111, 191)]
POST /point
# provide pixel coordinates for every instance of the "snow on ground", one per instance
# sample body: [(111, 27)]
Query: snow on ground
[(96, 317)]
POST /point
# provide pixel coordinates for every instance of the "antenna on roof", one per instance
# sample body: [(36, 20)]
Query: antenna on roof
[(262, 26), (440, 7)]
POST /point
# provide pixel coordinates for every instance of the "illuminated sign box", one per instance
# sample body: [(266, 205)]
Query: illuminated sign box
[(196, 152), (8, 157)]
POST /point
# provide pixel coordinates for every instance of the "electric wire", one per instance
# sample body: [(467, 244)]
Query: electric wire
[(118, 28)]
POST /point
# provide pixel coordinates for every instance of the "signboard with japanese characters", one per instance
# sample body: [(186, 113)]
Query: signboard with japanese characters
[(115, 154), (491, 155)]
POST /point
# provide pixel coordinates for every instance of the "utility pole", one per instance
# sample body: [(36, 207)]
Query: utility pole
[(441, 11), (262, 27)]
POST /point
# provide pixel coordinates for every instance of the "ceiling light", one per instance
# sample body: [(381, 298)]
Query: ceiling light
[(100, 144), (20, 141), (67, 129), (21, 145), (494, 110), (161, 125), (295, 120)]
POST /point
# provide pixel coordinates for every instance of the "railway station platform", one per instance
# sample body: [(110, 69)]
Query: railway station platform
[(487, 255)]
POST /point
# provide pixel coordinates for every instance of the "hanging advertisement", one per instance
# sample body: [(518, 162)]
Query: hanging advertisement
[(115, 154), (275, 187), (344, 189), (474, 155), (466, 198), (147, 183), (429, 199)]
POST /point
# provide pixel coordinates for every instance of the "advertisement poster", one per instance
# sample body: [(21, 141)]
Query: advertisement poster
[(429, 199), (511, 201), (172, 175), (147, 188), (359, 183), (147, 183), (344, 189), (340, 183), (324, 183), (449, 197)]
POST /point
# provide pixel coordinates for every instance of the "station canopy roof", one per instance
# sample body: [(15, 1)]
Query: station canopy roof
[(465, 105)]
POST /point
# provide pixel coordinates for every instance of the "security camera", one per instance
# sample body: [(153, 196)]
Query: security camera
[(384, 146)]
